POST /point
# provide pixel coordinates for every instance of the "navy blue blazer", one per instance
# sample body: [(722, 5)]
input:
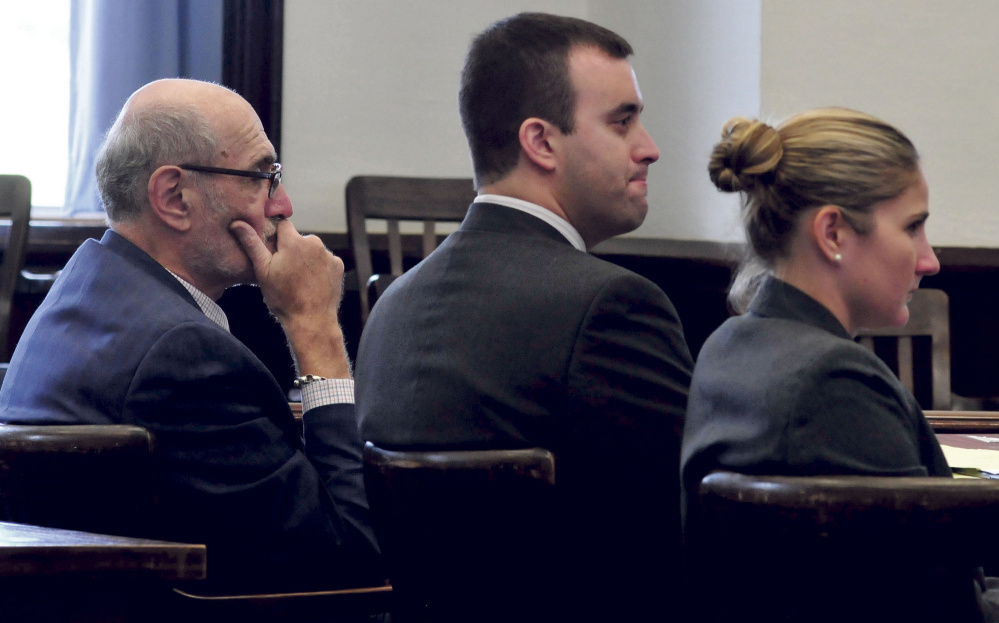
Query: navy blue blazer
[(119, 340), (507, 336)]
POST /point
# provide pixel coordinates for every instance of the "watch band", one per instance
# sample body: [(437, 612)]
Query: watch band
[(308, 378)]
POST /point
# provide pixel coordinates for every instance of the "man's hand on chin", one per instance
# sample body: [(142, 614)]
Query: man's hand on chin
[(302, 284)]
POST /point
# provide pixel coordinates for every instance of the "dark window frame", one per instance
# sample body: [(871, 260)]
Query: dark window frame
[(252, 57)]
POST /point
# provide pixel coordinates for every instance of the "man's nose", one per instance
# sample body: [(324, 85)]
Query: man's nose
[(279, 206)]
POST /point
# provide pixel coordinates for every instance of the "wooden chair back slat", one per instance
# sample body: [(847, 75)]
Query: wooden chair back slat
[(395, 247), (929, 318)]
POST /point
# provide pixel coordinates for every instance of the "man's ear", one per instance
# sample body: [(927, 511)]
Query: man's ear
[(536, 141), (167, 197), (831, 231)]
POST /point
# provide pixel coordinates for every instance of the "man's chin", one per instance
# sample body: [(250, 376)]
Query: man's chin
[(241, 275), (639, 211)]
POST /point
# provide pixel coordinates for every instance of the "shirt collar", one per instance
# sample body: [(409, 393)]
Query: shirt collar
[(207, 305), (563, 226)]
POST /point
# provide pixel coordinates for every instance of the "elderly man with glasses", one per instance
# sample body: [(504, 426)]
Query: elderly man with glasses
[(131, 334)]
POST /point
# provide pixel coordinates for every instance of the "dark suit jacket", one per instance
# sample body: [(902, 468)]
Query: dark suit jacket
[(784, 390), (507, 336), (119, 340)]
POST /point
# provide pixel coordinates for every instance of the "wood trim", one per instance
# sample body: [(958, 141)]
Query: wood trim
[(60, 235), (34, 550), (729, 253), (963, 421), (967, 257), (67, 234)]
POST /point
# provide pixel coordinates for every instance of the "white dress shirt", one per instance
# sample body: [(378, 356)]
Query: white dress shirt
[(545, 215)]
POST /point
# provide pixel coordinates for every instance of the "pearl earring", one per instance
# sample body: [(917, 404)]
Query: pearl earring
[(838, 257)]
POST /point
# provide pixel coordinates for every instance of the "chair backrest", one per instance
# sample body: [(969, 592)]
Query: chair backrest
[(846, 547), (394, 199), (95, 478), (15, 204), (466, 535), (919, 352)]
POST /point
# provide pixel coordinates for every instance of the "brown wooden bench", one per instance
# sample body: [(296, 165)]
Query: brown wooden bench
[(48, 574)]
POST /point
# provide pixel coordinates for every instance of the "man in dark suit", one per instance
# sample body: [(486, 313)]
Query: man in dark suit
[(130, 333), (511, 335)]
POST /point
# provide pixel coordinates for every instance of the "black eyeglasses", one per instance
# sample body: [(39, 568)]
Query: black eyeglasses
[(274, 176)]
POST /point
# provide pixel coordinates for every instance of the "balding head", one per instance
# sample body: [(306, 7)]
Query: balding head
[(166, 122)]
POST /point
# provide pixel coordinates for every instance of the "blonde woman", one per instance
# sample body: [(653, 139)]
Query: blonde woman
[(835, 207)]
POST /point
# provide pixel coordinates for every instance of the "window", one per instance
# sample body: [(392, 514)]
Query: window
[(35, 98), (34, 43)]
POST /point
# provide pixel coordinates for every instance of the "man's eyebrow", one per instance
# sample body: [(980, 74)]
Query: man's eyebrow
[(627, 108), (267, 161)]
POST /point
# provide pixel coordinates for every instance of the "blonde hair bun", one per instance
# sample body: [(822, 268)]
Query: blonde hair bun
[(747, 155)]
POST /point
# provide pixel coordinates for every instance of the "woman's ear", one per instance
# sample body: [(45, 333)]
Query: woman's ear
[(166, 197), (538, 142), (830, 231)]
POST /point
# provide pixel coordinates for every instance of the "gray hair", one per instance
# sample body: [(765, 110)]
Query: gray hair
[(137, 144)]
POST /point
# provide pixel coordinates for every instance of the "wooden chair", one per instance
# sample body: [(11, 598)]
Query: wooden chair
[(467, 535), (98, 478), (919, 352), (395, 199), (73, 484), (843, 548), (15, 205), (90, 478)]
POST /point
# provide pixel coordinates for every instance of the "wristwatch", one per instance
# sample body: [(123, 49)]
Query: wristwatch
[(308, 378)]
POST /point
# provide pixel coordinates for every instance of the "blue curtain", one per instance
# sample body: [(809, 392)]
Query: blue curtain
[(116, 46)]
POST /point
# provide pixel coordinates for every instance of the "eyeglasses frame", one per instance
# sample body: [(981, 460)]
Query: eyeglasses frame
[(274, 176)]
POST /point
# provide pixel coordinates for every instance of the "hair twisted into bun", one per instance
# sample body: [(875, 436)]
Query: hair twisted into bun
[(826, 156), (747, 154)]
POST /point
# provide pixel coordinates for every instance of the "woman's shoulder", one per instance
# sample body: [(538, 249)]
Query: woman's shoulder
[(787, 337), (791, 365)]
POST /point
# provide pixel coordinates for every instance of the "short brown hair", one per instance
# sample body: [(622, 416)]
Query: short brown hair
[(516, 69)]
